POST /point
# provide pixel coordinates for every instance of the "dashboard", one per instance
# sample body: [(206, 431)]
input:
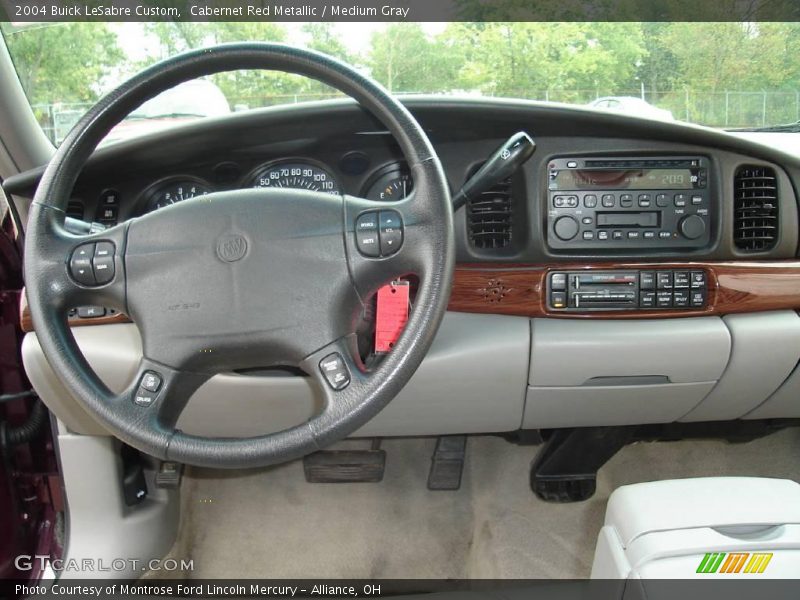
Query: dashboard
[(631, 271)]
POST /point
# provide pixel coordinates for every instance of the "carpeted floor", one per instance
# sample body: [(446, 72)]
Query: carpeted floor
[(271, 523)]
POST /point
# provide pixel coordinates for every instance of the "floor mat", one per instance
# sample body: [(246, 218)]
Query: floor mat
[(271, 523)]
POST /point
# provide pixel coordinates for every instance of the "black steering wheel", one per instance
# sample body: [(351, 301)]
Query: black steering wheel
[(241, 279)]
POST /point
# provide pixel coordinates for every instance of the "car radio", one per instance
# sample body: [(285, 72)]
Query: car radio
[(628, 203)]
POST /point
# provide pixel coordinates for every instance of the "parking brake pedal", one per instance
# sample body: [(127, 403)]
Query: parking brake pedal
[(447, 463), (346, 466)]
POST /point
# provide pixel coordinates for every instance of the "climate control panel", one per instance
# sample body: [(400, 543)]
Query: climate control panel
[(661, 289)]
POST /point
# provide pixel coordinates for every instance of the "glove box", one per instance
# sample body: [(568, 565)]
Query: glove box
[(616, 372)]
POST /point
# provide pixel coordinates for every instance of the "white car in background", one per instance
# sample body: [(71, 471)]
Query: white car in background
[(632, 106)]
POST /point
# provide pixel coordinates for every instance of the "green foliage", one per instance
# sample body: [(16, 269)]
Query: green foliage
[(64, 62), (694, 69)]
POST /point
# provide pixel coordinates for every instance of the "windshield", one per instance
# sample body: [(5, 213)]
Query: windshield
[(724, 75)]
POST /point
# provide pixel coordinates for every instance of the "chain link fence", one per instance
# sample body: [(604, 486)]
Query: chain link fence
[(726, 109)]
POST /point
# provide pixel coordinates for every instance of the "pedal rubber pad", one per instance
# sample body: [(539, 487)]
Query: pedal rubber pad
[(447, 463), (345, 466)]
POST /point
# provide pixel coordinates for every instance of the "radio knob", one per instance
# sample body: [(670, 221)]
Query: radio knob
[(692, 227), (566, 228)]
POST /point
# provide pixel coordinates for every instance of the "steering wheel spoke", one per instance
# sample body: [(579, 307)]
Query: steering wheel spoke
[(85, 270)]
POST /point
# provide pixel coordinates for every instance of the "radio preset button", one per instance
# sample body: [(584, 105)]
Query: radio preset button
[(680, 200), (590, 201), (608, 200), (662, 200), (626, 200), (644, 200)]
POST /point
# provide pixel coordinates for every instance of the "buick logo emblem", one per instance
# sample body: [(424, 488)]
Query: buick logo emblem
[(231, 248)]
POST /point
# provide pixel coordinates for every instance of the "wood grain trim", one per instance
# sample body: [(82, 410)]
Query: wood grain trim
[(733, 287), (518, 289), (26, 323)]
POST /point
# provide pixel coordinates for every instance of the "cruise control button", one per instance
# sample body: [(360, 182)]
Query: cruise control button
[(335, 371), (151, 381), (80, 264), (367, 243), (144, 397)]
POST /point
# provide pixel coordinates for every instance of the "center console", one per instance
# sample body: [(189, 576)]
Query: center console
[(629, 203)]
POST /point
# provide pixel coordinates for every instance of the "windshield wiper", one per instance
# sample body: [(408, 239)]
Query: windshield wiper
[(172, 115), (785, 128)]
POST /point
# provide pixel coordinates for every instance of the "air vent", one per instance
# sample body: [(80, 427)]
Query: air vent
[(489, 218), (75, 209), (755, 227)]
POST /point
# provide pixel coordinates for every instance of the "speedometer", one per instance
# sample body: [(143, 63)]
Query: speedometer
[(296, 174)]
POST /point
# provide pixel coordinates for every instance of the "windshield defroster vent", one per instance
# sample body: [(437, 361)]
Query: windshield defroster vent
[(755, 227), (489, 218)]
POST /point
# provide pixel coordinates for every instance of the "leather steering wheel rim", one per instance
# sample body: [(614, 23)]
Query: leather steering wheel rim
[(296, 281)]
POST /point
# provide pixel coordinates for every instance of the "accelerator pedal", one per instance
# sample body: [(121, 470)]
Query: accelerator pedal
[(346, 466), (447, 463)]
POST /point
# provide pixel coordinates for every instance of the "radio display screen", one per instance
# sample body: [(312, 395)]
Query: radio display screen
[(622, 179)]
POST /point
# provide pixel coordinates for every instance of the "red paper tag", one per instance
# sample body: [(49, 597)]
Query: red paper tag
[(392, 314)]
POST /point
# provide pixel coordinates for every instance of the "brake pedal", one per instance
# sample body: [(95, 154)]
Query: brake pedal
[(345, 466), (447, 463)]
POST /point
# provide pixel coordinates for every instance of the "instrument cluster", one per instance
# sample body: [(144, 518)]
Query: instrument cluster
[(389, 182)]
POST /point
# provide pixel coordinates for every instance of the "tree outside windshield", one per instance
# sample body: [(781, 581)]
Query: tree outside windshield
[(728, 75)]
